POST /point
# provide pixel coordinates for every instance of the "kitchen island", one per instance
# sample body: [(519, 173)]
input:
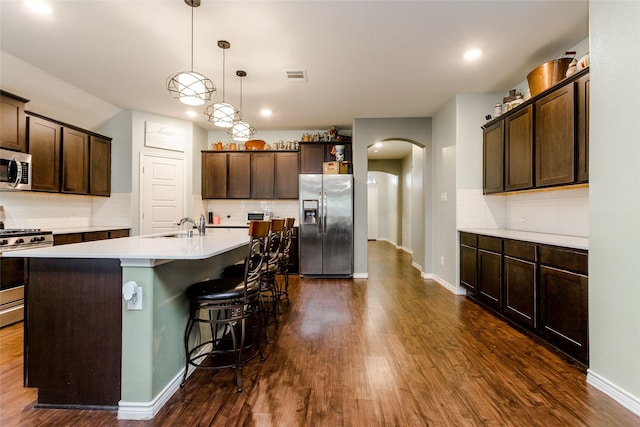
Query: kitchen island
[(84, 348)]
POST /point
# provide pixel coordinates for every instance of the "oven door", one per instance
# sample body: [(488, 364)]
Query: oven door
[(11, 290)]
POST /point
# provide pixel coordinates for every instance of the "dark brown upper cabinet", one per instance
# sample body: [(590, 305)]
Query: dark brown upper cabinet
[(75, 161), (239, 184), (262, 175), (518, 145), (214, 175), (493, 156), (250, 175), (13, 122), (44, 146), (286, 175), (314, 154), (545, 141), (555, 138), (99, 166), (582, 164)]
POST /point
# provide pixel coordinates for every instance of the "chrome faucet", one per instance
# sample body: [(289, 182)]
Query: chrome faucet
[(200, 226)]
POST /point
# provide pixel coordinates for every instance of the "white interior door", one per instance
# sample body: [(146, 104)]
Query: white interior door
[(162, 201), (372, 212)]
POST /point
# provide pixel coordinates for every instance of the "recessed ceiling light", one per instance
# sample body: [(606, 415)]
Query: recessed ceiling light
[(191, 113), (378, 144), (472, 54), (39, 6), (266, 112)]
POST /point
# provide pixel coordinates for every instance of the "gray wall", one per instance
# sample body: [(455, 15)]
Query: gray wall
[(614, 199)]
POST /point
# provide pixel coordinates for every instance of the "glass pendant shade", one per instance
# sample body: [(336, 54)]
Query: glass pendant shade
[(242, 131), (190, 88), (222, 114)]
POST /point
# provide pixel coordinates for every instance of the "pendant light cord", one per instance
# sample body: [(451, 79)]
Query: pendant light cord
[(192, 7), (223, 64)]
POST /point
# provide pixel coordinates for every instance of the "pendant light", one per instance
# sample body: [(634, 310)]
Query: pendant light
[(189, 87), (241, 131), (222, 114)]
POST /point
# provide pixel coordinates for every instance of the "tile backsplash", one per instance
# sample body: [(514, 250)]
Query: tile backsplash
[(564, 211), (25, 209), (236, 210), (556, 211)]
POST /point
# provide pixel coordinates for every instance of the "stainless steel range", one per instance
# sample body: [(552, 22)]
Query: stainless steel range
[(12, 270)]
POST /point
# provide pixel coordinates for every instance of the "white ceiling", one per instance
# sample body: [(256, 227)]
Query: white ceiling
[(362, 58)]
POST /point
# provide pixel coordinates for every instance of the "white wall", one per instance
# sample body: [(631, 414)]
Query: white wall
[(387, 185), (614, 201), (406, 204)]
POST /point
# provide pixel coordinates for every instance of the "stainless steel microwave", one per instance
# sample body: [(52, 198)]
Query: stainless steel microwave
[(15, 170)]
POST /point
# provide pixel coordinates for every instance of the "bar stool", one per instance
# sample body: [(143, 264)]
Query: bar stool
[(269, 289), (230, 306), (283, 261)]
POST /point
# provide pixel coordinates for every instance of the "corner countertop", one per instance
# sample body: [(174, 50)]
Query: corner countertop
[(528, 236), (146, 250)]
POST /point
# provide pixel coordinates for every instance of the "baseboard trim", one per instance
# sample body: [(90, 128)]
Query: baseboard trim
[(621, 396), (456, 290), (148, 410), (360, 275)]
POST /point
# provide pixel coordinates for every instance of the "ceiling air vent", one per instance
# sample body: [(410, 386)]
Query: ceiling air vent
[(296, 76)]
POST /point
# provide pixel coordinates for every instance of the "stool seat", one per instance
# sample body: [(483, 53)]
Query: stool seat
[(226, 288)]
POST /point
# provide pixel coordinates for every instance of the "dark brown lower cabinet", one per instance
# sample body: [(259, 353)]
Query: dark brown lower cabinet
[(564, 300), (73, 331), (490, 271), (520, 291), (468, 261), (539, 287), (490, 278)]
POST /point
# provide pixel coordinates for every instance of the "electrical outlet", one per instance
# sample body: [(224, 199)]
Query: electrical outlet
[(136, 302)]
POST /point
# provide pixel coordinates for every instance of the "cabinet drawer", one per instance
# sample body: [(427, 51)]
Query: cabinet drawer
[(564, 259), (65, 239), (114, 234), (492, 244), (96, 235), (521, 250), (469, 239)]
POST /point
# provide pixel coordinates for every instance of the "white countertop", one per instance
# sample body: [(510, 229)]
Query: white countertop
[(527, 236), (133, 250)]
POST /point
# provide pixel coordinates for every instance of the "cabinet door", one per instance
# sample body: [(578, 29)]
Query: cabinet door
[(214, 175), (490, 279), (44, 146), (468, 263), (555, 138), (520, 291), (518, 145), (75, 161), (13, 124), (239, 167), (564, 310), (262, 175), (582, 163), (311, 158), (493, 159), (286, 176), (99, 166)]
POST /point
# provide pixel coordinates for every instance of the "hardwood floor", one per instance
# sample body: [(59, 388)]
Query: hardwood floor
[(393, 350)]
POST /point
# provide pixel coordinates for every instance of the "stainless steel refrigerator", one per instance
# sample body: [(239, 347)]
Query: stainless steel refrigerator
[(326, 225)]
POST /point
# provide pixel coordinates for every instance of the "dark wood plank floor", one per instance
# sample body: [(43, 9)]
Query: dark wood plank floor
[(393, 350)]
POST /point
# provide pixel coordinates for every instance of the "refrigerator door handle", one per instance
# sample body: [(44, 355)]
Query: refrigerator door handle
[(324, 212)]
